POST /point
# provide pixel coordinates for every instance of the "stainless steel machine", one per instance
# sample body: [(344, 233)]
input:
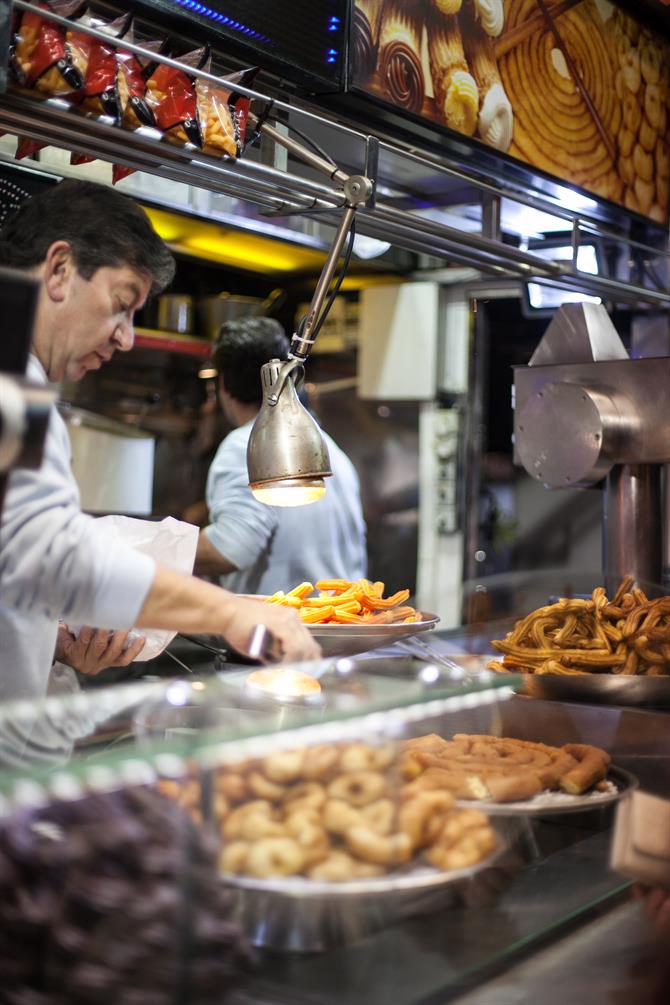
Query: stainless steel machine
[(586, 414)]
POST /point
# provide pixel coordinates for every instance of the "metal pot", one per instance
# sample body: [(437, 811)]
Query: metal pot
[(175, 313), (215, 311)]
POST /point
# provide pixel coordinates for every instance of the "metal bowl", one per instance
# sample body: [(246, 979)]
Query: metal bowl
[(301, 915)]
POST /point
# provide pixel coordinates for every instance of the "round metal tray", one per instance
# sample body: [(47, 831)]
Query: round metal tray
[(347, 640), (302, 915), (599, 689), (552, 803)]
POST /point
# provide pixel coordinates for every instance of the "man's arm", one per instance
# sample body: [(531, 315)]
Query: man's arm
[(209, 561), (186, 604)]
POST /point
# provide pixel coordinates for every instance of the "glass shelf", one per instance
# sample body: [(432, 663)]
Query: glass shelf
[(109, 737)]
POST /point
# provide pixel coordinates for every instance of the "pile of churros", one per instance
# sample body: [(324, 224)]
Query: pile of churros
[(332, 813), (340, 601), (629, 634)]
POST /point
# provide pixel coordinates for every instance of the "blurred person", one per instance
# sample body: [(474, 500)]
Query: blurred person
[(252, 547), (96, 259)]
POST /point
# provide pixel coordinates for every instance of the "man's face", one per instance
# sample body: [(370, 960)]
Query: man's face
[(94, 319)]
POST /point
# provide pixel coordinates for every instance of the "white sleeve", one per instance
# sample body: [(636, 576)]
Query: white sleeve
[(54, 559), (240, 526)]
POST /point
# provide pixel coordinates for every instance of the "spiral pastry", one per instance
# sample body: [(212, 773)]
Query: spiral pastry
[(365, 37), (456, 93), (554, 129), (400, 69)]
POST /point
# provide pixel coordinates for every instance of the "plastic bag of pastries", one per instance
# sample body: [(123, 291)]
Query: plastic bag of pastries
[(97, 63), (134, 111), (132, 72), (41, 60), (171, 96), (222, 114)]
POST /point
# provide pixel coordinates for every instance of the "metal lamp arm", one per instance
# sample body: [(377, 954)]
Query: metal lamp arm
[(357, 190)]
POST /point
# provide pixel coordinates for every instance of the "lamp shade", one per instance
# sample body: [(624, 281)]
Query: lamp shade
[(287, 458)]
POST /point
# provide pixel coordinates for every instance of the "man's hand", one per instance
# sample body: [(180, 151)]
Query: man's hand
[(292, 638), (186, 604), (95, 649)]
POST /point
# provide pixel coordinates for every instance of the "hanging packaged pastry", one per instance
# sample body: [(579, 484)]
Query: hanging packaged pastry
[(132, 72), (171, 96), (222, 114), (134, 112), (96, 62), (41, 60)]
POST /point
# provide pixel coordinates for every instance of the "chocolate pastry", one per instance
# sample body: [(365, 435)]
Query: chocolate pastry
[(400, 69), (114, 898)]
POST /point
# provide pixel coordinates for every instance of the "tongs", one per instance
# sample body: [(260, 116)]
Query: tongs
[(263, 646), (416, 646)]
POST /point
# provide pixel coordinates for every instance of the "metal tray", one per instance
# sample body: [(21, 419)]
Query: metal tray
[(347, 640), (554, 803), (599, 689), (301, 915), (339, 640)]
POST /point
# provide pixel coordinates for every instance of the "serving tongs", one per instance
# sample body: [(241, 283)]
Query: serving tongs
[(416, 646), (263, 646)]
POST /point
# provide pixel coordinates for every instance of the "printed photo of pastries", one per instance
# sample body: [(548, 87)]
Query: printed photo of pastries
[(577, 88)]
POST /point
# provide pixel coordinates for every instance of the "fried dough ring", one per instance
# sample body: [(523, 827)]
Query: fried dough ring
[(362, 757), (233, 857), (390, 850), (319, 762), (304, 795), (307, 830), (339, 816), (358, 787), (284, 766), (232, 785), (262, 788), (274, 856), (339, 867), (422, 817), (252, 821), (380, 816)]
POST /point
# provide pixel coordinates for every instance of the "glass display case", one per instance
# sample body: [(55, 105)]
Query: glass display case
[(230, 838)]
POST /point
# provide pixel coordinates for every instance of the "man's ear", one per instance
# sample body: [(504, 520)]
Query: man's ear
[(59, 268)]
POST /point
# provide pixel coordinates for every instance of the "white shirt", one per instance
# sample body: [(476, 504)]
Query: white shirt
[(276, 547), (56, 563)]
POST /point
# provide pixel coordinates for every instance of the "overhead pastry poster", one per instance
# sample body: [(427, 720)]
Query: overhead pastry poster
[(576, 88)]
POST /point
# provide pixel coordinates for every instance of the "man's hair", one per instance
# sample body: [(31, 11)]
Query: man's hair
[(241, 350), (102, 227)]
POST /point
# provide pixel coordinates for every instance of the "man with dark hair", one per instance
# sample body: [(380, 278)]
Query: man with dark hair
[(252, 547), (96, 259)]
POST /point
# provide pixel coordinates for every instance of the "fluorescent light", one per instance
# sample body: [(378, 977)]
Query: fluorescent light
[(546, 297), (369, 247)]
